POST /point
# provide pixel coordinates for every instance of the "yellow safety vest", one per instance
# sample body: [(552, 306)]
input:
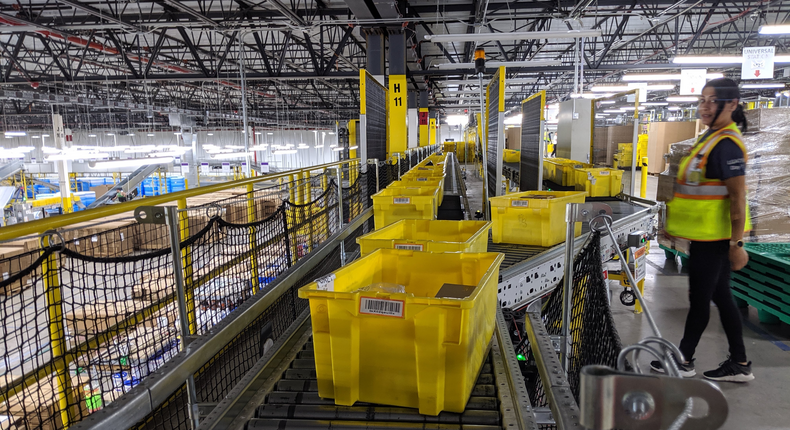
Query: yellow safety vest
[(700, 210)]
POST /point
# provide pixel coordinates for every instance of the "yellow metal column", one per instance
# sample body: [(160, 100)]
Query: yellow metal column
[(643, 187), (432, 131), (186, 261), (57, 336), (290, 215), (398, 126), (253, 239), (423, 121), (308, 210)]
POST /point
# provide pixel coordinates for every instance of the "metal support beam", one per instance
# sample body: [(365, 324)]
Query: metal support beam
[(193, 50)]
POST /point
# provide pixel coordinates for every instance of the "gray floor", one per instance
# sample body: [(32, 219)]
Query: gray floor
[(759, 405)]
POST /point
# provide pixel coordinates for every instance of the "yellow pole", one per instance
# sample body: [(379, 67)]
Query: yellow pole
[(186, 261), (643, 188), (57, 332), (308, 210), (24, 187), (637, 306), (292, 192), (253, 242)]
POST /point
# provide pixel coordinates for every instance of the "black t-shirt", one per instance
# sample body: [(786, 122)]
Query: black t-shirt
[(725, 161)]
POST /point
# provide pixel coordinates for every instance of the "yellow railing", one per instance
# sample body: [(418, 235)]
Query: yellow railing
[(62, 356)]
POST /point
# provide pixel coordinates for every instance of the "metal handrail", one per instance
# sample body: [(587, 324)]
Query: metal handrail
[(41, 225)]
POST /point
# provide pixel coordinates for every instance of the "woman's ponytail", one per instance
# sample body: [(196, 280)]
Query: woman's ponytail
[(739, 118)]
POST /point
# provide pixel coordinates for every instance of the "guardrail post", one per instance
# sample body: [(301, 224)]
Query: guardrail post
[(183, 315), (186, 262), (376, 164), (253, 239), (57, 334), (307, 193), (290, 220), (567, 286), (398, 166), (339, 175)]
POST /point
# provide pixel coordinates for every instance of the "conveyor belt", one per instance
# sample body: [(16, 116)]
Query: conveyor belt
[(294, 404)]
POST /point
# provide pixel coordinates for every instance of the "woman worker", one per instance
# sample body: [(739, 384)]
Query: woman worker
[(710, 210)]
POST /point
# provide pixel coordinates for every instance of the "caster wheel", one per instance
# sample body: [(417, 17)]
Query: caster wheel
[(627, 298)]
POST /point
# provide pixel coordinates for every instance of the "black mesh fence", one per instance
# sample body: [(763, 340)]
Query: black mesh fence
[(594, 337), (87, 319)]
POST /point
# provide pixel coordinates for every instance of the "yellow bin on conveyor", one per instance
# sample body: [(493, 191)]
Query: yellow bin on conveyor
[(599, 182), (532, 217), (394, 204), (429, 236), (422, 182), (412, 348)]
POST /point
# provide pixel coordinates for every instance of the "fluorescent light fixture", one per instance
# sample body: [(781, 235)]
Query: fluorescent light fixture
[(50, 150), (318, 146), (285, 152), (707, 59), (302, 146), (758, 86), (11, 153), (228, 156), (209, 134), (526, 35), (516, 81), (513, 120), (132, 162), (91, 135), (272, 134), (44, 135), (622, 88), (259, 147), (674, 108), (174, 153), (177, 133), (24, 148), (774, 29), (150, 135), (331, 133), (130, 134), (601, 116), (353, 147), (258, 133), (77, 155), (35, 137), (590, 95), (661, 87), (220, 151), (493, 64), (15, 133), (642, 77), (110, 134), (340, 148), (234, 146), (608, 102), (682, 99), (628, 108), (655, 104), (613, 111)]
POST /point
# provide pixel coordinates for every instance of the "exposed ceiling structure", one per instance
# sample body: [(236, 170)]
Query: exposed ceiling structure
[(301, 58)]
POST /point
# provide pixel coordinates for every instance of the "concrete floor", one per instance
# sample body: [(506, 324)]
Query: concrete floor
[(758, 405)]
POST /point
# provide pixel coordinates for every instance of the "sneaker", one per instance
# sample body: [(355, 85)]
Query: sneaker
[(731, 371), (686, 370)]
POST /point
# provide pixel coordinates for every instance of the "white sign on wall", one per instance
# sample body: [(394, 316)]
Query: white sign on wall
[(264, 167), (204, 168), (692, 81), (642, 87), (184, 168), (758, 63), (225, 167)]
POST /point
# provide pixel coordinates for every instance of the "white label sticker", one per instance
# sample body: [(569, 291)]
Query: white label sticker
[(604, 173), (401, 200), (422, 179), (408, 246), (327, 283), (77, 242), (5, 276), (122, 239), (389, 308), (520, 203), (94, 238)]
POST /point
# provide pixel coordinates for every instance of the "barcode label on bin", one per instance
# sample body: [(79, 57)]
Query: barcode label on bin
[(520, 203), (423, 179), (327, 283), (408, 246), (401, 200), (388, 308), (603, 172)]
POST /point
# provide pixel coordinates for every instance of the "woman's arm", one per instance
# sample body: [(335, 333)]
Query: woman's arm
[(736, 186)]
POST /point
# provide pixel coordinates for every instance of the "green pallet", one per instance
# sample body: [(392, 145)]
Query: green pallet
[(776, 255), (670, 254), (763, 298), (762, 278), (745, 283), (762, 309)]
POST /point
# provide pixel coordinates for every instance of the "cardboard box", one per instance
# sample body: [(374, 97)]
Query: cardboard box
[(12, 260), (661, 136), (666, 188), (513, 138)]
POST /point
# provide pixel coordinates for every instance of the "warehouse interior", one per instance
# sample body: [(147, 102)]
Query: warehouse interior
[(345, 214)]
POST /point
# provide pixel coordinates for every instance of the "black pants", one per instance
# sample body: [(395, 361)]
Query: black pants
[(709, 279)]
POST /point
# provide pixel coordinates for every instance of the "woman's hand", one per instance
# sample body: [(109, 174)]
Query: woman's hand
[(738, 257)]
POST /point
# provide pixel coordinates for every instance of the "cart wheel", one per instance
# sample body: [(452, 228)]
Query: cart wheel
[(627, 297), (669, 254)]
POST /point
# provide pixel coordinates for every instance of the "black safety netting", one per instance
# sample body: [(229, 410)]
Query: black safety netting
[(595, 340), (356, 197), (89, 317)]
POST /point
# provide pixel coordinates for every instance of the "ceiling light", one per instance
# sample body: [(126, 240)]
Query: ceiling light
[(209, 134), (476, 82), (655, 104), (130, 134), (44, 135), (76, 155), (527, 35), (608, 102), (258, 133), (340, 148), (228, 156), (15, 133), (758, 86), (609, 88), (302, 146), (285, 152), (259, 147), (513, 120), (24, 148), (177, 133), (493, 64), (132, 162), (457, 119), (661, 87), (663, 76), (775, 29), (91, 135), (234, 146), (353, 147), (331, 133), (110, 134), (35, 137), (709, 59), (270, 134), (613, 111), (318, 146), (674, 108), (50, 150), (682, 99), (150, 135)]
